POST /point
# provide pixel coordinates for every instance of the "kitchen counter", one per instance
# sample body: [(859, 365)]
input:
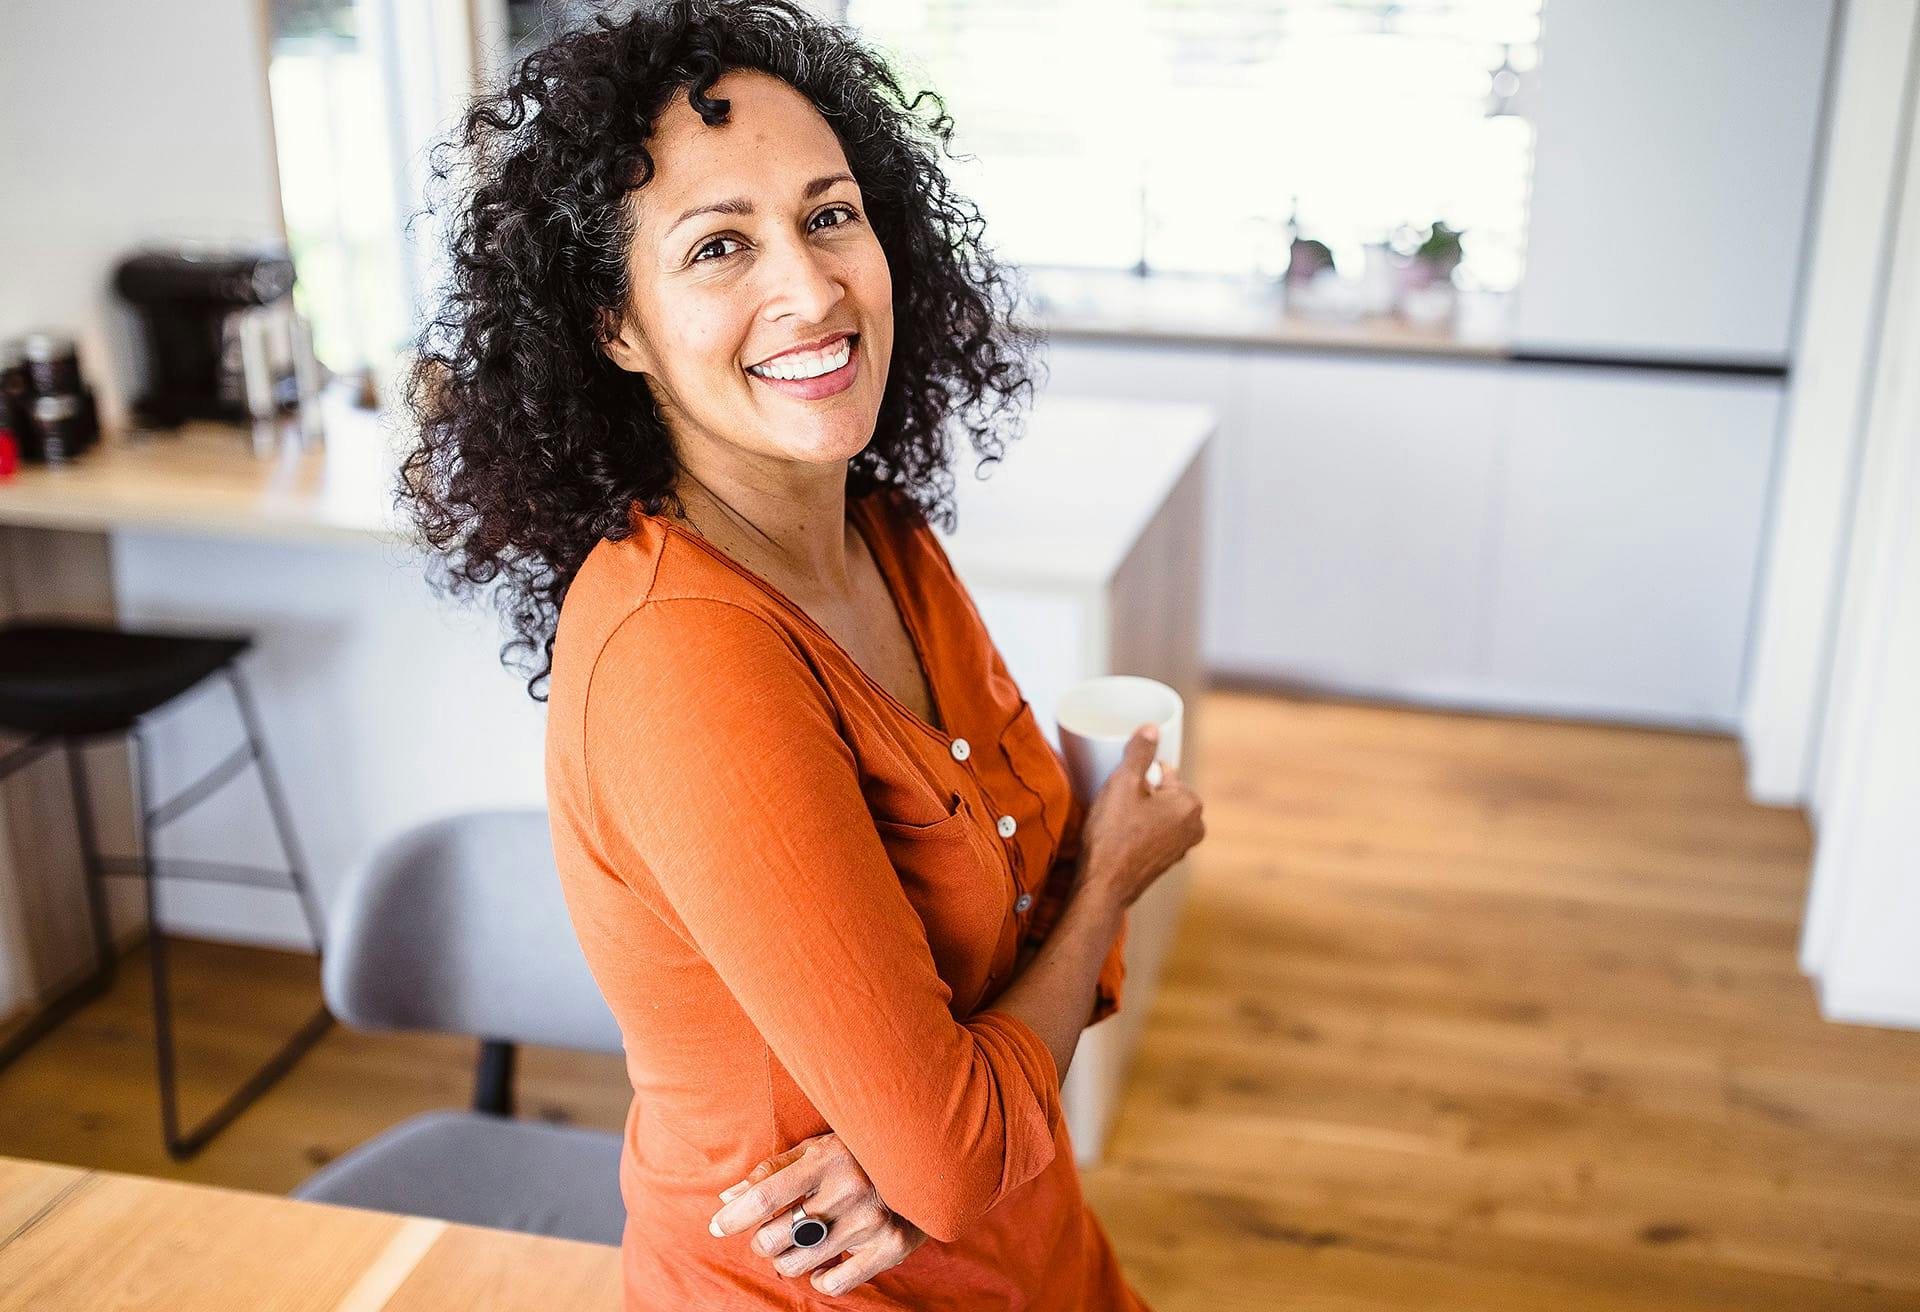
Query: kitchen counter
[(1064, 507), (205, 479)]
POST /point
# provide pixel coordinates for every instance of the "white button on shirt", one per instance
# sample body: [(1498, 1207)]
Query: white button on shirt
[(1022, 902), (1007, 825), (960, 749)]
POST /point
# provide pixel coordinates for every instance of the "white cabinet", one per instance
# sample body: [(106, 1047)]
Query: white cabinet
[(1360, 506), (1630, 517), (1483, 534)]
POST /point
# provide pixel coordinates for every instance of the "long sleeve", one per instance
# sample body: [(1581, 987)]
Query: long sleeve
[(716, 770)]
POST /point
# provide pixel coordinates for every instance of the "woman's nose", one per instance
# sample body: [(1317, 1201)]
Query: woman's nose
[(803, 281)]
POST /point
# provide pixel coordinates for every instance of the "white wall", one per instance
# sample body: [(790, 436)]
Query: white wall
[(1834, 716), (383, 706), (1672, 170), (1862, 937), (124, 121), (1821, 434)]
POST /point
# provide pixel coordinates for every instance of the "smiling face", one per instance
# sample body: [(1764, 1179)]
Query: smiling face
[(722, 296)]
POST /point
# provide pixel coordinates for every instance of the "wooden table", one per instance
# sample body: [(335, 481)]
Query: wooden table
[(78, 1239)]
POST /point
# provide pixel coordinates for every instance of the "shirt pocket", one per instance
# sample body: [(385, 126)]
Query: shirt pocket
[(1041, 773), (951, 878)]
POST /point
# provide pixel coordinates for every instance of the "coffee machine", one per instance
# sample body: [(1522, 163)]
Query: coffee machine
[(223, 339)]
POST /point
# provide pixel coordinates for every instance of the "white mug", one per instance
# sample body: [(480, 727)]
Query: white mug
[(1096, 717)]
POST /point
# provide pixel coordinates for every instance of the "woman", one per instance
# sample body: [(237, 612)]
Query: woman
[(713, 310)]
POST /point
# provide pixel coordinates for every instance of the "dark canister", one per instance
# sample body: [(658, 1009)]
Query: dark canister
[(56, 423), (88, 419), (14, 378), (53, 362)]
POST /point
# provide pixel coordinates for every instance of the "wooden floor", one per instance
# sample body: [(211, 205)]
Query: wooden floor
[(1466, 1013)]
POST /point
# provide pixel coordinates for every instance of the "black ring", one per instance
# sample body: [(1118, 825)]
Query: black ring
[(808, 1231)]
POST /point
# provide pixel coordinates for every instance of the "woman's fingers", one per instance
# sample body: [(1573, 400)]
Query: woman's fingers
[(777, 1193), (865, 1261), (863, 1223), (776, 1236), (759, 1173), (831, 1199), (822, 1176)]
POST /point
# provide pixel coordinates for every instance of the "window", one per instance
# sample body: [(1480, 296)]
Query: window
[(1184, 135), (336, 182), (360, 91)]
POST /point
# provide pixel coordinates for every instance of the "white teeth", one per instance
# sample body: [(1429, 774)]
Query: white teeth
[(793, 367)]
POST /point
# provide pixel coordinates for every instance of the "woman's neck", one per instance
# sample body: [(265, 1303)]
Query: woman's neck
[(799, 534)]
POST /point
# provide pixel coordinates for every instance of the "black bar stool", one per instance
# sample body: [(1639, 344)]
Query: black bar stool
[(66, 683)]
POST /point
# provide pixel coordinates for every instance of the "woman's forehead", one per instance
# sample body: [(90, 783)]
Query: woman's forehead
[(772, 146), (765, 117)]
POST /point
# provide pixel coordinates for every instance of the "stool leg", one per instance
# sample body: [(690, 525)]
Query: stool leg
[(181, 1146), (156, 948), (277, 806), (90, 855), (100, 978)]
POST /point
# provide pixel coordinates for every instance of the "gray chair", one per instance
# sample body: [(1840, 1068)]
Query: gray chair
[(458, 927)]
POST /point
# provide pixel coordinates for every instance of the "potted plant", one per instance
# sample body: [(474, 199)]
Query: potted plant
[(1438, 254), (1426, 278)]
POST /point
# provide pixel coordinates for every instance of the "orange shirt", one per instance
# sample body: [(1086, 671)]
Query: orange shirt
[(801, 900)]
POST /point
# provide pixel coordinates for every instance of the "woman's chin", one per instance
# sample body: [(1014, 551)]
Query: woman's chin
[(828, 438)]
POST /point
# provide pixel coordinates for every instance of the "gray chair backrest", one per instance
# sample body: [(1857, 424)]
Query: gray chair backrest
[(458, 926)]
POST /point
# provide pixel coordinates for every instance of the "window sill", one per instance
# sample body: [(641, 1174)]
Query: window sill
[(1178, 309)]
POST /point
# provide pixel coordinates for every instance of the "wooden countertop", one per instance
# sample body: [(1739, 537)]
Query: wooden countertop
[(72, 1238), (1064, 508), (205, 479)]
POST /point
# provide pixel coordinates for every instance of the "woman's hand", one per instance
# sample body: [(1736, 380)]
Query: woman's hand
[(1135, 831), (821, 1175)]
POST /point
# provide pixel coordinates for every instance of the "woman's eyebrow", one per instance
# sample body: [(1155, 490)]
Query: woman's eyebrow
[(741, 205)]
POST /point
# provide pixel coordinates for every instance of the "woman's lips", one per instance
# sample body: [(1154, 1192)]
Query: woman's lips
[(812, 389)]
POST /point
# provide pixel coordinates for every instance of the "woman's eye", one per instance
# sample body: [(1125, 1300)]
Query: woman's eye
[(839, 209), (709, 246)]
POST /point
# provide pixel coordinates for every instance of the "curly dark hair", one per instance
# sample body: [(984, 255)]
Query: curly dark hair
[(532, 445)]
